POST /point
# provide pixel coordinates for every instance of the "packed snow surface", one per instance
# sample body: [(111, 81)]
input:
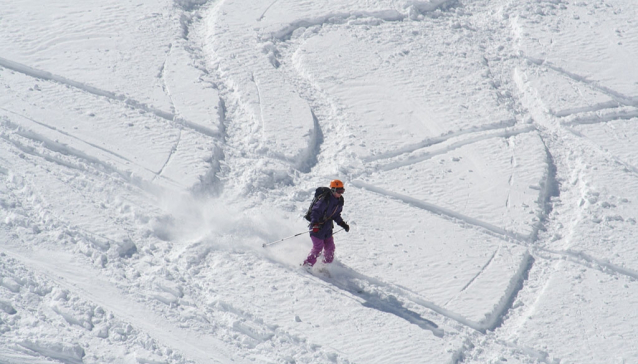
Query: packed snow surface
[(150, 149)]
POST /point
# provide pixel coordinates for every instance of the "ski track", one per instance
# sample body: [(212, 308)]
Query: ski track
[(265, 11), (584, 109), (56, 147), (619, 100), (505, 133), (346, 280), (607, 117), (588, 261), (505, 234), (170, 155), (489, 261), (69, 135), (62, 149), (495, 318), (43, 75), (619, 97), (438, 140)]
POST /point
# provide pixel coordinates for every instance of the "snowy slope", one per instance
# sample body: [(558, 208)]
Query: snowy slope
[(148, 150)]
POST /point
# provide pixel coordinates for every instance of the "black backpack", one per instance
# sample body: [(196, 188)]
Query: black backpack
[(320, 193)]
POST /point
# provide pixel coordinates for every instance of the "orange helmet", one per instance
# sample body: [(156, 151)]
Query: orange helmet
[(337, 186)]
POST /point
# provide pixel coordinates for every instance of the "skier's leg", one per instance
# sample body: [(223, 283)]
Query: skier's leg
[(329, 250), (317, 247)]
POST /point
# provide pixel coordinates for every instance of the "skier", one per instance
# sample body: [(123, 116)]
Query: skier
[(324, 211)]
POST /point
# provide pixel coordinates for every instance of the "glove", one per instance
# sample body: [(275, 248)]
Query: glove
[(315, 228), (345, 226)]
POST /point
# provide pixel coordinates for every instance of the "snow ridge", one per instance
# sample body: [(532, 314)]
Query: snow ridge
[(495, 318), (390, 15), (66, 353), (550, 188), (307, 158)]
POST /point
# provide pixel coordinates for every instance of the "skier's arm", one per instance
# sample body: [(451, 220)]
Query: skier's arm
[(339, 220)]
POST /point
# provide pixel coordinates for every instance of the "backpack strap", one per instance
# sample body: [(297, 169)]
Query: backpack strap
[(333, 212)]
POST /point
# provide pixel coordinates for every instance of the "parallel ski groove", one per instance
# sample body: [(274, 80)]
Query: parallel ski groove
[(43, 75), (505, 133), (506, 234)]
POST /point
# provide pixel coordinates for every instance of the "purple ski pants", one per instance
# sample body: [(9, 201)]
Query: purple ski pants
[(328, 247)]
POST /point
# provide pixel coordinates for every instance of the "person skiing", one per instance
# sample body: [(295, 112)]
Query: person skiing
[(323, 213)]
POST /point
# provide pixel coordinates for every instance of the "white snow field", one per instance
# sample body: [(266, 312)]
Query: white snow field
[(149, 148)]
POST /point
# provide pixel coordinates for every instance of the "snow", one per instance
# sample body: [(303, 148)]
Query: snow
[(148, 151)]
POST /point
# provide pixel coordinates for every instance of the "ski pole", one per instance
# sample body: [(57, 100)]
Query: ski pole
[(264, 245), (280, 240)]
